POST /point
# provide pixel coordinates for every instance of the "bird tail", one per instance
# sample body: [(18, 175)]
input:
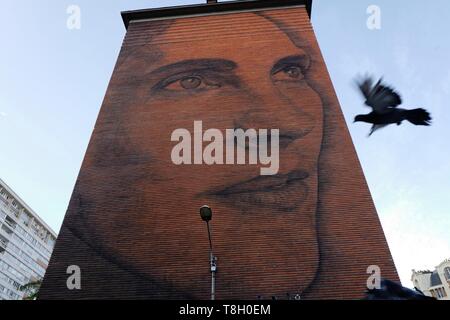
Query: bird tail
[(419, 117)]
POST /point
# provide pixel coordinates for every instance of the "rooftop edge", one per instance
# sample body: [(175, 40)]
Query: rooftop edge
[(210, 8), (27, 207)]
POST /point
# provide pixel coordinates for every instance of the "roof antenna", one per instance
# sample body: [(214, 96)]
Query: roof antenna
[(211, 1)]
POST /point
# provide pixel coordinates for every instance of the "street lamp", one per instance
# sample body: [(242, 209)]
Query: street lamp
[(206, 215)]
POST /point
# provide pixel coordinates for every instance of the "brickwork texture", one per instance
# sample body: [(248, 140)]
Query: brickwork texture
[(133, 224)]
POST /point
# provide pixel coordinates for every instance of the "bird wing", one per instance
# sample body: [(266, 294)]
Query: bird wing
[(376, 127), (365, 86), (380, 97)]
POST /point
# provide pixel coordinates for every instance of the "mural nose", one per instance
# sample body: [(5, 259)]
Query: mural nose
[(292, 122)]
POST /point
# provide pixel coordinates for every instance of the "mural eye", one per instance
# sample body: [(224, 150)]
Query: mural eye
[(191, 82), (294, 72), (289, 73)]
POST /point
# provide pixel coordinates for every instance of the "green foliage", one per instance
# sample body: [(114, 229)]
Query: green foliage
[(31, 290)]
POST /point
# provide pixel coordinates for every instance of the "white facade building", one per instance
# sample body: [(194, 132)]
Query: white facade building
[(26, 244), (434, 283)]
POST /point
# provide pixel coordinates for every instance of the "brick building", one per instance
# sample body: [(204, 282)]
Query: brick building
[(132, 225)]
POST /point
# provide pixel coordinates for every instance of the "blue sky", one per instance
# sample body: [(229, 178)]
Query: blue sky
[(53, 80)]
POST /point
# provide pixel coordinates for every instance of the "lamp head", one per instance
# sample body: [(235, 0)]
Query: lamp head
[(206, 213)]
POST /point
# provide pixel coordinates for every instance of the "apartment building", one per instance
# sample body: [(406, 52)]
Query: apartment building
[(26, 244), (434, 283)]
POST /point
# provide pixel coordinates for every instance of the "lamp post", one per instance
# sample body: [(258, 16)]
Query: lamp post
[(206, 215)]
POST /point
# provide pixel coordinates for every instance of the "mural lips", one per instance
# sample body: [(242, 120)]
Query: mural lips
[(283, 192)]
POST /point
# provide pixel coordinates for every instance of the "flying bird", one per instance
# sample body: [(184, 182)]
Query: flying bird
[(384, 102), (390, 290)]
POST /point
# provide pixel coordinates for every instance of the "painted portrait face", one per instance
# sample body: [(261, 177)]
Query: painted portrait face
[(254, 75)]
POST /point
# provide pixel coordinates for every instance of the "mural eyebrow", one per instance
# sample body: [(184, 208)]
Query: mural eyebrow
[(301, 60), (220, 65)]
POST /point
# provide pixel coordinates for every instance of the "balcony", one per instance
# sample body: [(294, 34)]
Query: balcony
[(2, 249), (10, 222), (3, 243), (6, 230), (3, 201), (14, 210)]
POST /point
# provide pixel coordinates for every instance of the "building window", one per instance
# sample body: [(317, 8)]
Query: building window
[(433, 293), (6, 229), (440, 292), (10, 222), (447, 273), (4, 201)]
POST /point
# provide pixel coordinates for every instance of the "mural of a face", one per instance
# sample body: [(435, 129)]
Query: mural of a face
[(227, 81)]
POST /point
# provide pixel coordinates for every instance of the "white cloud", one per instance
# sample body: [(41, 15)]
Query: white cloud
[(3, 114)]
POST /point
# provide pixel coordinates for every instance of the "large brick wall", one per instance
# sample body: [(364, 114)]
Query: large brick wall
[(133, 226)]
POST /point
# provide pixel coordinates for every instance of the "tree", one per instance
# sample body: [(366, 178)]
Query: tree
[(31, 290)]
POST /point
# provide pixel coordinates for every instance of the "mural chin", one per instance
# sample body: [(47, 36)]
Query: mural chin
[(281, 253), (257, 245)]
